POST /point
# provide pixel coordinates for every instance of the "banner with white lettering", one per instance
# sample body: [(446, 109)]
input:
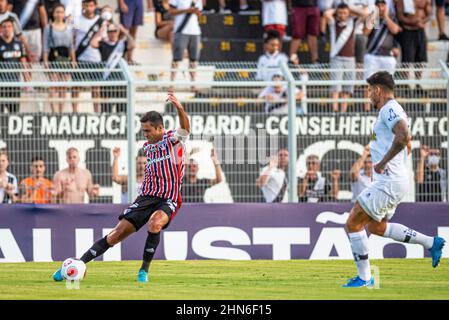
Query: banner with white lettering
[(210, 231)]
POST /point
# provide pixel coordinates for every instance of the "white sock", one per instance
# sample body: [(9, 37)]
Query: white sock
[(359, 246), (402, 233)]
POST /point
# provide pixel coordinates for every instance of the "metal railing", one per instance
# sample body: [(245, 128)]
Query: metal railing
[(228, 113)]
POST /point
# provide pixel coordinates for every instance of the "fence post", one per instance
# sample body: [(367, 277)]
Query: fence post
[(131, 135), (292, 134), (446, 75)]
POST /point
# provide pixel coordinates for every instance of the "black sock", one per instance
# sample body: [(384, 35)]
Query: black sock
[(150, 248), (96, 250)]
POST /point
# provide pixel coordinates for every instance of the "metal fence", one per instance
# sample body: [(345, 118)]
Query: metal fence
[(245, 120)]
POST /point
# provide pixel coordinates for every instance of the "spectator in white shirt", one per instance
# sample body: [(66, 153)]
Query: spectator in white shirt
[(271, 59), (273, 178)]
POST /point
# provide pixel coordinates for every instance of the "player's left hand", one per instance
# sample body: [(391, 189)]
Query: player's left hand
[(171, 98), (379, 168)]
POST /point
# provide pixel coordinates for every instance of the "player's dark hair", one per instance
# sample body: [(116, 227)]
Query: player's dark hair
[(153, 117), (381, 78), (37, 158), (88, 1), (343, 5)]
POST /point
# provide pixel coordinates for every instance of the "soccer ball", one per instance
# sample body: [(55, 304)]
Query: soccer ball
[(73, 269)]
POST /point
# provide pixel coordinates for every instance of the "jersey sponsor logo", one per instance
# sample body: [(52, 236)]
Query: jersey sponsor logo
[(373, 136), (393, 115), (153, 161)]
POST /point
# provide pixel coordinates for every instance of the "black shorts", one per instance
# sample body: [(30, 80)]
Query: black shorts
[(413, 45), (143, 207)]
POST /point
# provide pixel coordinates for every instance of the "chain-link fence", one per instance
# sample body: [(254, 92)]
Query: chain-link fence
[(232, 111)]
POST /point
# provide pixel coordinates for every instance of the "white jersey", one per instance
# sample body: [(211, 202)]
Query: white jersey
[(382, 139)]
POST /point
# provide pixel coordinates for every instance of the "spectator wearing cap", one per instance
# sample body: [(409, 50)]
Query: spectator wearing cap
[(33, 19), (382, 48), (268, 64), (305, 17), (431, 179)]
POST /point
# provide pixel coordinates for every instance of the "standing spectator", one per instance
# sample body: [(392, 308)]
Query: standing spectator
[(49, 6), (112, 50), (441, 18), (363, 9), (305, 23), (33, 19), (73, 182), (12, 56), (413, 38), (58, 48), (342, 56), (314, 187), (381, 49), (271, 59), (131, 16), (164, 21), (273, 178), (430, 177), (193, 189), (36, 189), (361, 173), (187, 33), (122, 180), (277, 95), (274, 16), (88, 57), (9, 190), (5, 14)]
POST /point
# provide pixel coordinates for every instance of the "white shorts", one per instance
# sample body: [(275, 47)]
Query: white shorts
[(381, 198), (373, 63)]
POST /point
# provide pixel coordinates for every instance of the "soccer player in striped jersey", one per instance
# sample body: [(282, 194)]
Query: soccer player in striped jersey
[(160, 198)]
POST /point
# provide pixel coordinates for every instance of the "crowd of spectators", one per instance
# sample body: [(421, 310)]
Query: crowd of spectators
[(75, 184)]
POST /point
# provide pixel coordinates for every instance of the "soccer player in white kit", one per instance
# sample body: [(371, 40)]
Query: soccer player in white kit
[(376, 204)]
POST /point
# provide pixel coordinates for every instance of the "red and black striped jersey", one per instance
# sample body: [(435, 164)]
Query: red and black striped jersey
[(165, 167)]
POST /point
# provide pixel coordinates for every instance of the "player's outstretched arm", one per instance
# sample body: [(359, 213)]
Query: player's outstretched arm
[(183, 118), (401, 138)]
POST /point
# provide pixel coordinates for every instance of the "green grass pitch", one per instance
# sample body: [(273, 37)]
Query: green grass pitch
[(212, 279)]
